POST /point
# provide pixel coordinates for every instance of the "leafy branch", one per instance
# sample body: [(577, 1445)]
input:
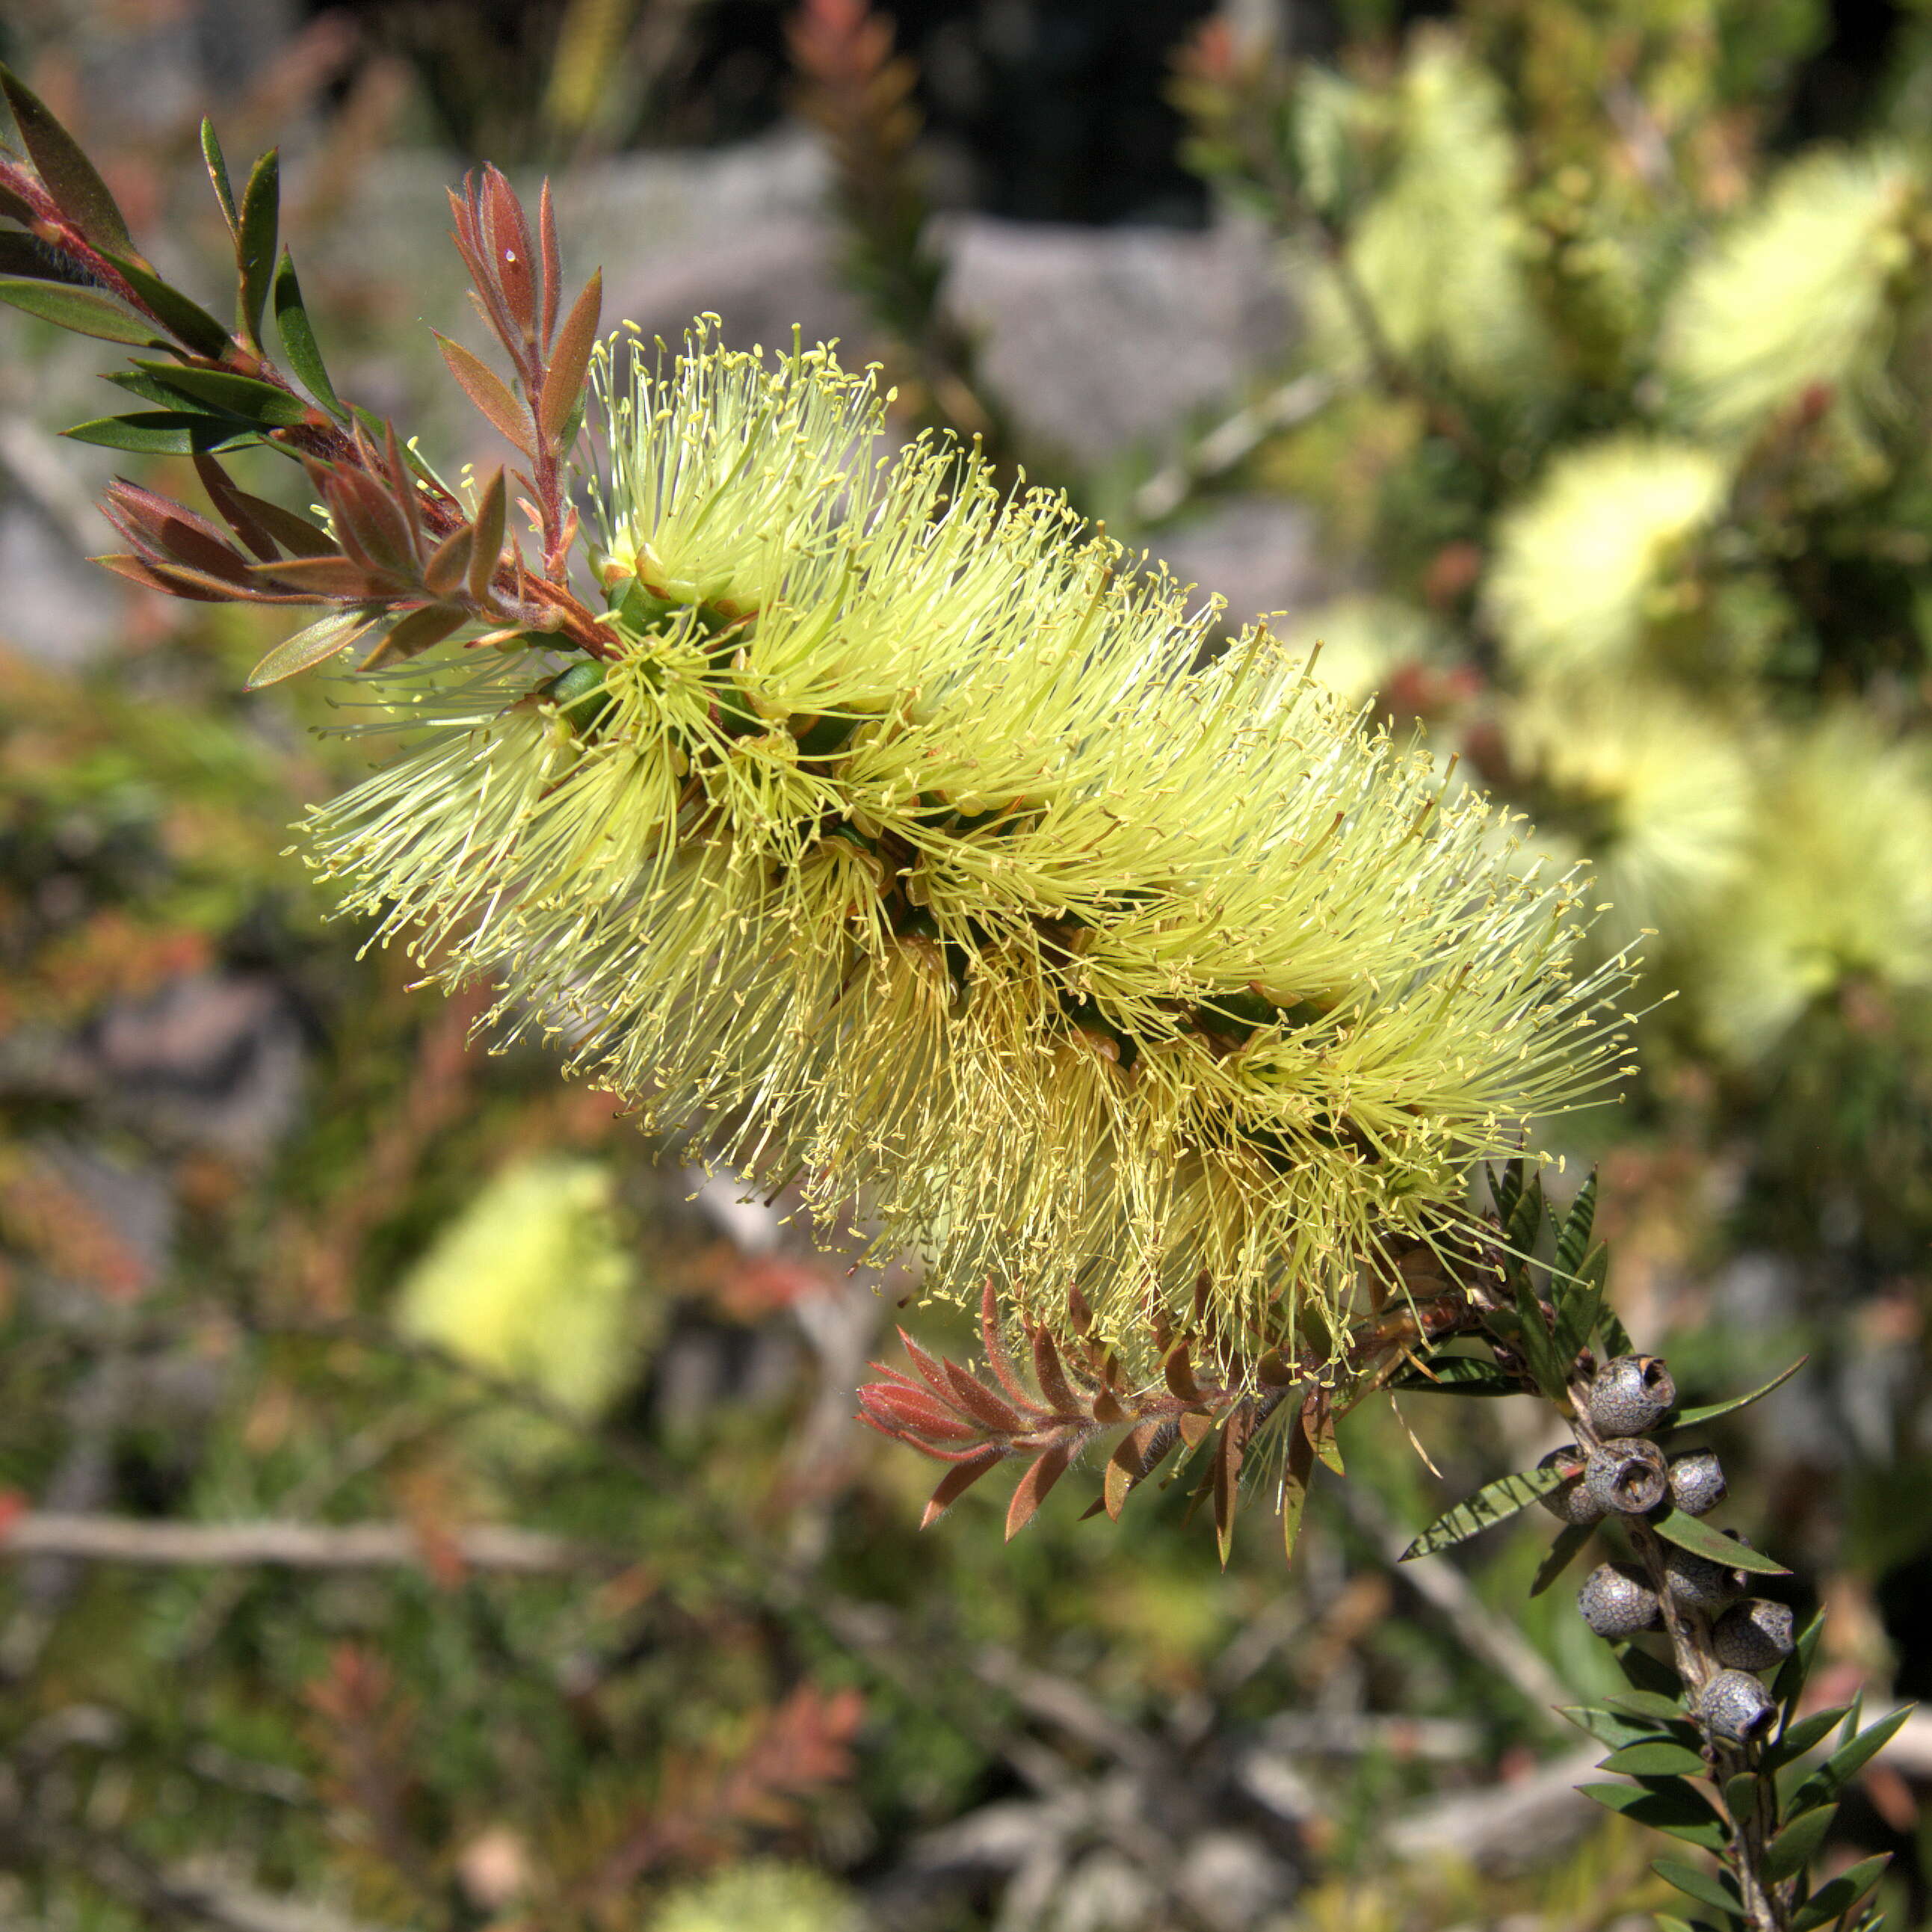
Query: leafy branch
[(400, 554)]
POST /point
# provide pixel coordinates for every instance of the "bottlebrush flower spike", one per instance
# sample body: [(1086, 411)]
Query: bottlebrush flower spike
[(902, 844)]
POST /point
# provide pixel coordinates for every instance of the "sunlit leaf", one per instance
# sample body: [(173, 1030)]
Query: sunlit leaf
[(1493, 1503), (85, 311), (1693, 1534), (68, 175)]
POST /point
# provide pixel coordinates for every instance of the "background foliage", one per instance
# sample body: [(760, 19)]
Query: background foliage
[(1609, 392)]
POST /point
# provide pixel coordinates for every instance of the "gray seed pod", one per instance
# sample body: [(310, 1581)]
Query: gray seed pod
[(1696, 1482), (1752, 1635), (1631, 1393), (1572, 1503), (1736, 1707), (1699, 1584), (1616, 1602), (1627, 1474)]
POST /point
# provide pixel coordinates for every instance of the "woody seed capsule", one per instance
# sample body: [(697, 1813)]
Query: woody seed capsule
[(1627, 1474), (1570, 1501), (1736, 1707), (1616, 1602), (1630, 1394), (1699, 1584), (1696, 1482), (1752, 1635)]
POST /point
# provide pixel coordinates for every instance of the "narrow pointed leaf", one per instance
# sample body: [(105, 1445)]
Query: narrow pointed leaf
[(1834, 1900), (1672, 1807), (1493, 1503), (1794, 1848), (68, 175), (1564, 1551), (1225, 1473), (1848, 1760), (1689, 1418), (323, 577), (163, 433), (291, 324), (255, 243), (1550, 1369), (1616, 1336), (1297, 1476), (1655, 1758), (314, 645), (956, 1482), (185, 319), (218, 171), (1045, 1469), (1050, 1373), (1709, 1889), (1653, 1705), (27, 258), (84, 311), (570, 361), (1787, 1685), (1580, 1301), (488, 391), (247, 397), (232, 504), (1606, 1727), (1643, 1671), (1802, 1735), (416, 634), (149, 578), (1693, 1534), (1525, 1218), (1572, 1239), (449, 563), (491, 512), (1457, 1375)]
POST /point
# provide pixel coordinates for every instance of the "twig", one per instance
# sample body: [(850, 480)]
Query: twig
[(1230, 441), (298, 1546)]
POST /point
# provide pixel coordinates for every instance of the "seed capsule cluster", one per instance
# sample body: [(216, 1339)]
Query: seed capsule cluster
[(1628, 1474)]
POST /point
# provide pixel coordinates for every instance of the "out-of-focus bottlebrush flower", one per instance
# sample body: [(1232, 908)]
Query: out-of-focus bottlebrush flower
[(765, 1894), (912, 844), (1800, 293), (1837, 887), (1660, 797), (1437, 252), (1365, 641), (534, 1280), (1584, 567)]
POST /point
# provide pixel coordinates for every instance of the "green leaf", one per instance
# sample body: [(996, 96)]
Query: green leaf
[(1789, 1684), (310, 646), (1801, 1735), (255, 244), (78, 192), (1549, 1369), (1457, 1375), (1493, 1503), (187, 321), (1506, 1188), (30, 259), (1643, 1671), (1607, 1728), (1580, 1300), (1689, 1418), (1657, 1759), (85, 311), (1845, 1763), (164, 432), (247, 397), (1693, 1534), (1616, 1336), (1570, 1541), (1834, 1900), (298, 339), (1716, 1890), (1793, 1849), (218, 171), (1665, 1922), (1742, 1793), (1670, 1806), (1525, 1219), (1651, 1704), (1572, 1238)]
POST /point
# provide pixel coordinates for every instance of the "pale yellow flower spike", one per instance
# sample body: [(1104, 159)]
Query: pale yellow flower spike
[(906, 850)]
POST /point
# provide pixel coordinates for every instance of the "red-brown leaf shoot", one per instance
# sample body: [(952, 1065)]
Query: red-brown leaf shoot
[(1045, 1469), (487, 390), (956, 1482), (570, 361)]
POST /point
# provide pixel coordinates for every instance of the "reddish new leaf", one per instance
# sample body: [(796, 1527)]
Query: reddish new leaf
[(1045, 1469), (956, 1482), (1054, 1383), (976, 1399), (909, 1411), (487, 392), (570, 361)]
